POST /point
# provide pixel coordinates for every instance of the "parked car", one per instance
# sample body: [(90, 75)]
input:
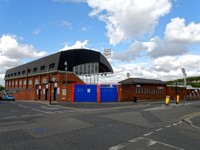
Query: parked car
[(8, 98)]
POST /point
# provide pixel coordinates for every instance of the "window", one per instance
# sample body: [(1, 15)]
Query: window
[(29, 70), (23, 72), (20, 82), (24, 82), (19, 73), (51, 66), (42, 68), (36, 81), (138, 89), (15, 74), (30, 82), (16, 82), (35, 69)]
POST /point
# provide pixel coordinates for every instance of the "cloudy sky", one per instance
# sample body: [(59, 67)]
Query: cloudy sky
[(148, 38)]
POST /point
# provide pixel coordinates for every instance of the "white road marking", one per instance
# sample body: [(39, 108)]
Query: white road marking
[(159, 129), (46, 112), (174, 124), (49, 108), (10, 117), (25, 115), (135, 139), (152, 142), (168, 126), (158, 108), (180, 122), (117, 147), (147, 134), (22, 106)]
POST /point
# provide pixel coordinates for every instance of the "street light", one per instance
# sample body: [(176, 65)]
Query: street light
[(66, 76), (50, 81)]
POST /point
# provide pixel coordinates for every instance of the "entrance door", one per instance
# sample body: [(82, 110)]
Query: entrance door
[(55, 94), (39, 94), (46, 94)]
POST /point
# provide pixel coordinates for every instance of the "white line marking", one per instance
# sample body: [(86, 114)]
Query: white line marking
[(22, 106), (147, 134), (180, 122), (135, 139), (10, 117), (174, 124), (117, 147), (25, 115), (159, 129), (151, 142), (168, 126), (49, 108), (41, 111)]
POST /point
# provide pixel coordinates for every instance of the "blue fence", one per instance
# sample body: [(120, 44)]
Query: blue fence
[(89, 93), (108, 93), (85, 93)]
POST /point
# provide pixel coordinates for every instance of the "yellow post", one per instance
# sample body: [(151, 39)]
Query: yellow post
[(177, 99), (167, 100)]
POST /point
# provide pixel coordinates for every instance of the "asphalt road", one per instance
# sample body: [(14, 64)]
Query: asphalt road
[(92, 126)]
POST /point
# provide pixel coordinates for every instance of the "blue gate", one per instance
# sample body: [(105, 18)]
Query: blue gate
[(108, 93), (85, 93)]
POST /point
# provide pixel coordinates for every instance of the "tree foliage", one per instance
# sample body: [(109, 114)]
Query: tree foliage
[(2, 88), (193, 81)]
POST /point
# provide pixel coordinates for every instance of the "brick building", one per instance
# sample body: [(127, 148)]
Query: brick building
[(53, 77), (148, 89)]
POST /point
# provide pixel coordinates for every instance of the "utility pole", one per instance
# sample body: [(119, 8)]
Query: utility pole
[(66, 65)]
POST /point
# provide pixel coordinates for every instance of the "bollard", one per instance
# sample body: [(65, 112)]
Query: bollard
[(177, 99), (167, 100)]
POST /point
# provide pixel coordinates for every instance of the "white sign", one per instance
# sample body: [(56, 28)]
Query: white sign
[(88, 90)]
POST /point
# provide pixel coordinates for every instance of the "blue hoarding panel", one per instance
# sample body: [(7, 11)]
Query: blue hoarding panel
[(108, 93), (85, 93)]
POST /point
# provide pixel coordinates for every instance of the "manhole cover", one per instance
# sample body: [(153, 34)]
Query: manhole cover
[(40, 130)]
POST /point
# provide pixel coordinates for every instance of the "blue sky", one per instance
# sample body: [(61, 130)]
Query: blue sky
[(148, 39)]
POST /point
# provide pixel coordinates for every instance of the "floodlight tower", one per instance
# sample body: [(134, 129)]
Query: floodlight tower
[(184, 75)]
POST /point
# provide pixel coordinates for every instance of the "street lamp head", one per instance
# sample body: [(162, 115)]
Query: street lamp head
[(65, 63)]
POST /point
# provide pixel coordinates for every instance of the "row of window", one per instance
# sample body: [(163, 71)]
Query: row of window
[(153, 91), (28, 71), (30, 82)]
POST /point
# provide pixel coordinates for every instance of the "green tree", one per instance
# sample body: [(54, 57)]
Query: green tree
[(2, 88)]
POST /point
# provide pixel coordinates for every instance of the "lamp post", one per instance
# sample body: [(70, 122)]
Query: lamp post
[(66, 76), (50, 81)]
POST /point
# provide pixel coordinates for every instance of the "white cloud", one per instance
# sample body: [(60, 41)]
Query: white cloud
[(130, 54), (160, 48), (178, 31), (129, 19), (12, 52), (174, 64), (78, 44), (66, 24), (11, 48)]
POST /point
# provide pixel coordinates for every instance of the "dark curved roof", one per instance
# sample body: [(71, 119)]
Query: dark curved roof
[(131, 81), (55, 62)]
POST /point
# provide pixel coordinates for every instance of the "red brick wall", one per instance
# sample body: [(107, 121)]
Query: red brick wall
[(30, 91), (171, 91), (129, 91)]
